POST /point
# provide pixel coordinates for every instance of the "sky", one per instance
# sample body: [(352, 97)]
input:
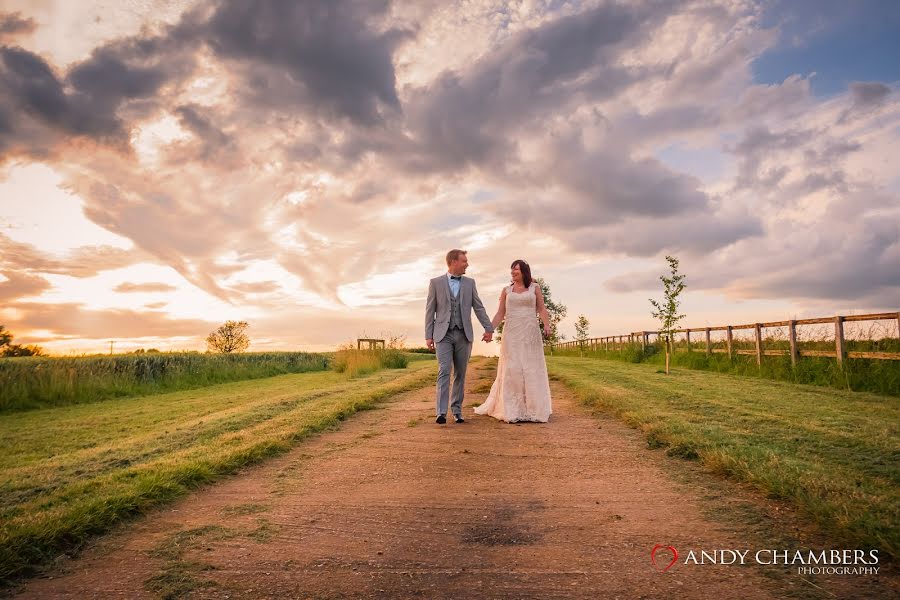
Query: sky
[(305, 166)]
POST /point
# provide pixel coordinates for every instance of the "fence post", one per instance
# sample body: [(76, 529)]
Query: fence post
[(728, 339), (687, 335), (839, 339), (708, 351), (792, 332), (758, 345)]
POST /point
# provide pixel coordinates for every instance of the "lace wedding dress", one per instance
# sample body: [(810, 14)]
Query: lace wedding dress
[(521, 391)]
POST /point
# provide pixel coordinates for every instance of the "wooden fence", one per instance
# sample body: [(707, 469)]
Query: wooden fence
[(840, 352)]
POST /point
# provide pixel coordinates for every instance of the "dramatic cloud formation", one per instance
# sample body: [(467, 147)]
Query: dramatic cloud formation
[(14, 25), (306, 165)]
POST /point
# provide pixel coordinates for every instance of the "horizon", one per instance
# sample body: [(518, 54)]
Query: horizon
[(163, 171)]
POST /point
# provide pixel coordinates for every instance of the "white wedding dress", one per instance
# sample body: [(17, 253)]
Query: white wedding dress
[(521, 391)]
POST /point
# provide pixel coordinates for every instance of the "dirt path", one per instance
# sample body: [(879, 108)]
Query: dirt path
[(395, 506)]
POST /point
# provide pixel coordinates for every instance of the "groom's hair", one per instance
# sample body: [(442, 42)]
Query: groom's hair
[(453, 255)]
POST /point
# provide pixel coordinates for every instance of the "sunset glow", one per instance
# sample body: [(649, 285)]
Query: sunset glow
[(162, 171)]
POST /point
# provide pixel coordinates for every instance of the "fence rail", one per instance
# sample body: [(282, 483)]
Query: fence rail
[(840, 351)]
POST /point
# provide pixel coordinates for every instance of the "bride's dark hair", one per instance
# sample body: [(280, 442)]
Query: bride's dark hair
[(526, 271)]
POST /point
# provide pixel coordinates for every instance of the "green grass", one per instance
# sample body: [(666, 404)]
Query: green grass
[(74, 471), (180, 577), (38, 382), (858, 374), (244, 509), (833, 454)]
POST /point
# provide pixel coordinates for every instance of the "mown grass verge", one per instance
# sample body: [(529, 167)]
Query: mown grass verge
[(40, 382), (833, 454), (857, 374), (71, 472)]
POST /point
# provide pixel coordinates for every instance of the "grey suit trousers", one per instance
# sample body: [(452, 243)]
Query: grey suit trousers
[(452, 352)]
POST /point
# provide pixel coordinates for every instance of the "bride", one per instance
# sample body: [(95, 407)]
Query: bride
[(521, 391)]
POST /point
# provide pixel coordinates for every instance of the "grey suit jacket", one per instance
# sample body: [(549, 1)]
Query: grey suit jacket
[(437, 308)]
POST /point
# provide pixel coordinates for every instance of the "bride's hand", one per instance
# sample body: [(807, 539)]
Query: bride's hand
[(546, 331)]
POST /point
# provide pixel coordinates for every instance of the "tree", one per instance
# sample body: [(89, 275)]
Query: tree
[(581, 331), (228, 338), (16, 350), (556, 311), (557, 314), (667, 312), (8, 349)]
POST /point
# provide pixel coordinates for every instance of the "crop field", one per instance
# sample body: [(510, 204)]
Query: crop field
[(37, 382)]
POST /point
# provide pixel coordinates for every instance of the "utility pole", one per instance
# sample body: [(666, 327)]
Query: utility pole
[(110, 347)]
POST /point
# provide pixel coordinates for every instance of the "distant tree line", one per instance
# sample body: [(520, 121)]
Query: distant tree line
[(8, 349)]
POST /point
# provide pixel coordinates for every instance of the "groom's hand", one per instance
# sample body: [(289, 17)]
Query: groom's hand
[(487, 337), (430, 344)]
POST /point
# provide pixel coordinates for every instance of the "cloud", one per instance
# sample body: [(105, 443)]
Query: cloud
[(309, 154), (871, 93), (867, 96), (128, 287), (81, 262), (21, 284), (257, 287), (13, 25), (862, 255), (760, 144), (329, 59), (855, 260), (693, 234), (471, 118), (97, 100), (209, 144), (69, 319)]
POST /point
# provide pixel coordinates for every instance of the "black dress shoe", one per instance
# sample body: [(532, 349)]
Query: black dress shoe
[(459, 419), (441, 420)]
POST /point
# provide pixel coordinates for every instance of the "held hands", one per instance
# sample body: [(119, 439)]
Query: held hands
[(487, 337)]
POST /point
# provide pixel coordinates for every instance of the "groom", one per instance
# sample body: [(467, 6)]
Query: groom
[(448, 324)]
